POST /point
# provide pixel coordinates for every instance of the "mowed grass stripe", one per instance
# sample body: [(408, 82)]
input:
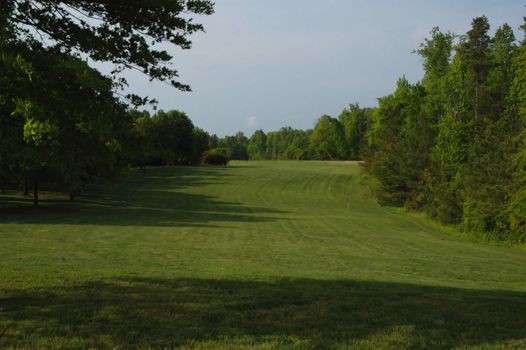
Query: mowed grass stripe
[(261, 255)]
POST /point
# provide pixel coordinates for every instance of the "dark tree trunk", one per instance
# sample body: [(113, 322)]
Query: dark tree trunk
[(26, 188), (35, 193)]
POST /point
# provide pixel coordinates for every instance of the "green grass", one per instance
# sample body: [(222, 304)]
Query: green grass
[(257, 255)]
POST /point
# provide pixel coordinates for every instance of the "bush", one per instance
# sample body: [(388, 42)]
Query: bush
[(215, 157)]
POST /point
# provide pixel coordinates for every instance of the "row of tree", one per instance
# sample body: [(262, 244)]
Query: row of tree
[(454, 144), (64, 124), (342, 138), (165, 138)]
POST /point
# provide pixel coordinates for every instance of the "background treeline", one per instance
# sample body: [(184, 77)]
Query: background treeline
[(342, 138), (454, 144), (165, 138)]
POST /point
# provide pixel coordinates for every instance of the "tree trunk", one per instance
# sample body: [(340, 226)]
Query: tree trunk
[(26, 188), (35, 193)]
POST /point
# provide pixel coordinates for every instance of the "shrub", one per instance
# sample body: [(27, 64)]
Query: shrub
[(215, 157)]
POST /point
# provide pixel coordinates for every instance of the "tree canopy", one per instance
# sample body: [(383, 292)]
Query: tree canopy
[(62, 124), (125, 33), (453, 145)]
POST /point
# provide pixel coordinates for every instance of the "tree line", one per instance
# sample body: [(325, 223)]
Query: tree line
[(454, 144), (342, 138), (63, 124)]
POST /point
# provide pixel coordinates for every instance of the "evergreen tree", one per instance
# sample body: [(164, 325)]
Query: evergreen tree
[(487, 172), (516, 207)]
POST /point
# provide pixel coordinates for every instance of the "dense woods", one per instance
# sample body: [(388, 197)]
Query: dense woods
[(454, 143)]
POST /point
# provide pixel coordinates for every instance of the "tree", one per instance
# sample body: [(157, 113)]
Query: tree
[(126, 33), (257, 145), (395, 163), (516, 207), (65, 123), (174, 135), (327, 140), (236, 146), (355, 122), (487, 172), (474, 51), (200, 145), (436, 52), (455, 143)]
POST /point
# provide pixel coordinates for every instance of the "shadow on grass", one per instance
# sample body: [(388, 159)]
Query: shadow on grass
[(164, 313), (155, 197)]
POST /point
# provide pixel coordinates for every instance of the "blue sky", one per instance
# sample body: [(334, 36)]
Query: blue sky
[(272, 63)]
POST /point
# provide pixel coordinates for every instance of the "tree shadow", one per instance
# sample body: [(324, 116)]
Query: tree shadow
[(155, 197), (168, 313)]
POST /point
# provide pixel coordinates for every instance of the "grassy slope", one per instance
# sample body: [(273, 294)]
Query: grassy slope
[(256, 255)]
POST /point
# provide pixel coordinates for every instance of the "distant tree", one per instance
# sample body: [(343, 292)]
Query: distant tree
[(213, 141), (327, 140), (298, 145), (216, 156), (236, 146), (166, 138), (257, 145), (140, 145), (200, 144), (288, 143), (355, 122), (174, 132)]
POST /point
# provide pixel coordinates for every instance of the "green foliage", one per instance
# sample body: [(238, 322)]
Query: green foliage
[(516, 207), (288, 143), (487, 171), (452, 144), (216, 156), (398, 157), (257, 145), (355, 122), (62, 124), (332, 139), (236, 146), (166, 138), (124, 33), (327, 140)]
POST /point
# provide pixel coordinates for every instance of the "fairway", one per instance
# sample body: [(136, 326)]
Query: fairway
[(258, 255)]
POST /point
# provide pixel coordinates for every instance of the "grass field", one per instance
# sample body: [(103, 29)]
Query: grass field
[(257, 255)]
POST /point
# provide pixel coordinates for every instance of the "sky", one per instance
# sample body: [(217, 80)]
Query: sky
[(266, 64)]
